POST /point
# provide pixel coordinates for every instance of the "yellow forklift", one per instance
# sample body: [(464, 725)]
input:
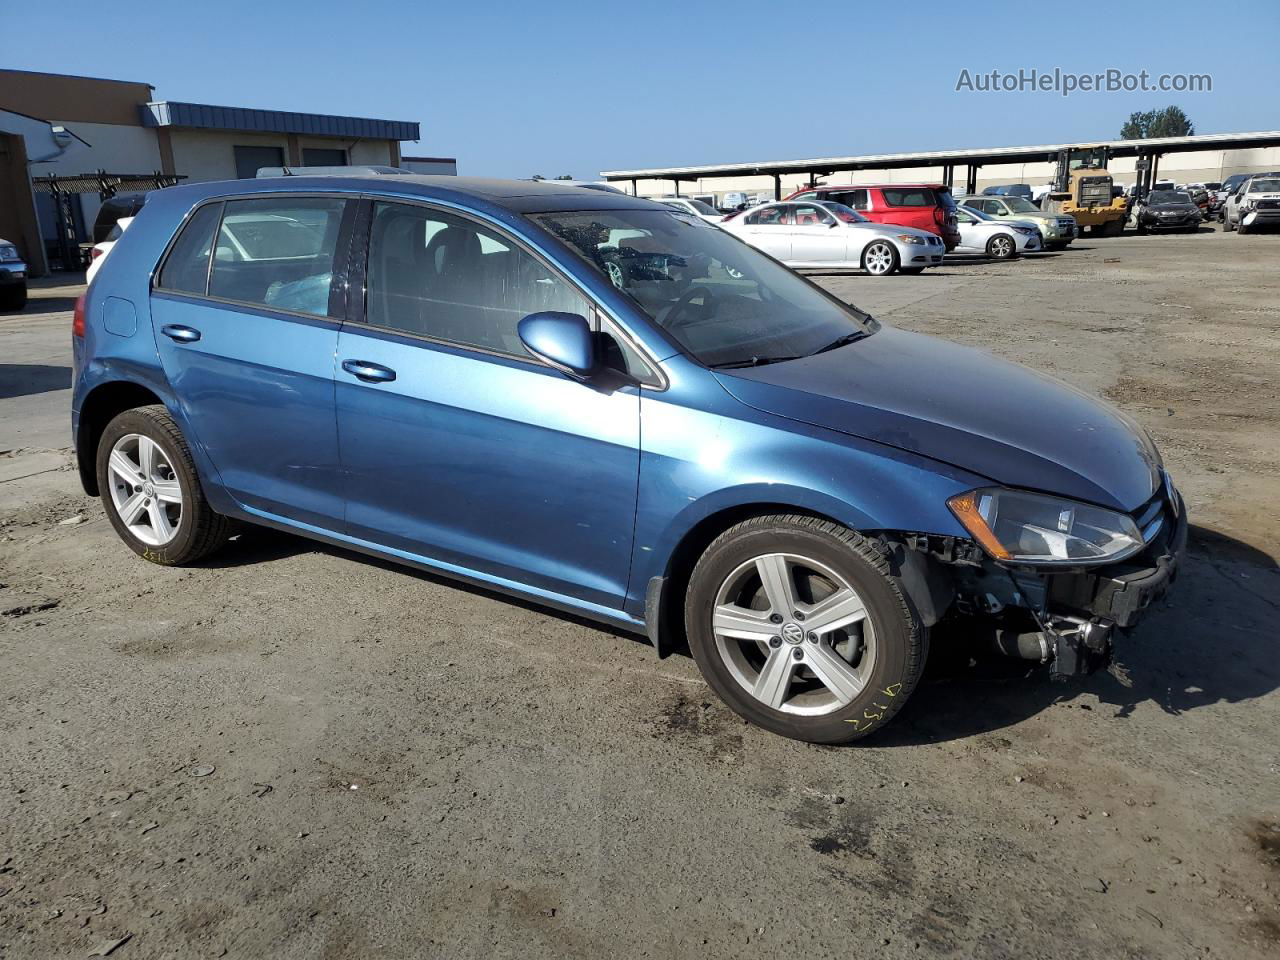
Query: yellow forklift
[(1083, 188)]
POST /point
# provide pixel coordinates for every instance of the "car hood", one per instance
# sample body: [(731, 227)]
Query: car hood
[(964, 407)]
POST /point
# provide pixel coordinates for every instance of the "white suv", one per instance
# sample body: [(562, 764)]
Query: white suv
[(1255, 204)]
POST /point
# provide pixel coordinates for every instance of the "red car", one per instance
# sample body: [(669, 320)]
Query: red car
[(925, 206)]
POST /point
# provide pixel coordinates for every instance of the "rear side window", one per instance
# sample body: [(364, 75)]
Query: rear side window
[(909, 197), (187, 268), (278, 252)]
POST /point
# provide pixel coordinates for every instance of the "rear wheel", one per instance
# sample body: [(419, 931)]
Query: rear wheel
[(151, 492), (1227, 225), (1001, 247), (880, 258), (797, 625)]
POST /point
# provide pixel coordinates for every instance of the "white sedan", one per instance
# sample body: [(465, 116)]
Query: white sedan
[(998, 239), (814, 234)]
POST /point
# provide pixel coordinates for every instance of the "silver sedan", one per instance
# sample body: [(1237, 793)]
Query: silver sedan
[(823, 234)]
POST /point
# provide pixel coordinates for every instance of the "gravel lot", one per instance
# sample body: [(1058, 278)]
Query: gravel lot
[(296, 752)]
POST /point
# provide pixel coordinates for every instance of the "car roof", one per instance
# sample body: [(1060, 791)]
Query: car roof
[(882, 186), (492, 195)]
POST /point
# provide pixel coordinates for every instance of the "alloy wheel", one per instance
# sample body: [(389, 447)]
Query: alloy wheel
[(1002, 248), (878, 259), (794, 634), (144, 489)]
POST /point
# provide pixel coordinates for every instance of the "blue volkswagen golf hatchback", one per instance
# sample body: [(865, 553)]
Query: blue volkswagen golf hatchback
[(616, 409)]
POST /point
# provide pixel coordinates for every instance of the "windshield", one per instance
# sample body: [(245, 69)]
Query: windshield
[(847, 214), (1269, 185), (1169, 196), (725, 302), (1021, 205)]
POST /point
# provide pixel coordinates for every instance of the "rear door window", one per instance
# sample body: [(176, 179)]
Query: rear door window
[(768, 217), (278, 252), (909, 197), (186, 269)]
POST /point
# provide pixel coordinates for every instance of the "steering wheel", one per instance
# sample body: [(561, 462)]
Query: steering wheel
[(670, 314)]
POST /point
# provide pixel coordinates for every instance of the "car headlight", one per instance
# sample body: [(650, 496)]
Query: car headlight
[(1027, 527), (1029, 231), (911, 238), (9, 252)]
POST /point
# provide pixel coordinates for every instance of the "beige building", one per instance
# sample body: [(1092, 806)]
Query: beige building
[(55, 126)]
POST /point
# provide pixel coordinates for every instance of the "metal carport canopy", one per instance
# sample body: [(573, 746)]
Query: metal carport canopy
[(940, 158)]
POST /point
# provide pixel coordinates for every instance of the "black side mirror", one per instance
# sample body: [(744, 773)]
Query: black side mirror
[(562, 340)]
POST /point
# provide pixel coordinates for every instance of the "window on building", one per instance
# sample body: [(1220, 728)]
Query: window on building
[(279, 252), (323, 157), (441, 276), (187, 267), (249, 160)]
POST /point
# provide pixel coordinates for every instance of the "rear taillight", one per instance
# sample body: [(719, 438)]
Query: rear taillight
[(939, 216), (95, 253), (77, 318)]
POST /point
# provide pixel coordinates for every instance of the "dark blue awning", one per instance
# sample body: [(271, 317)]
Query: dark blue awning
[(204, 116)]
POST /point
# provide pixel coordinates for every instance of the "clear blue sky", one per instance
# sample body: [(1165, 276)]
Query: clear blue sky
[(571, 87)]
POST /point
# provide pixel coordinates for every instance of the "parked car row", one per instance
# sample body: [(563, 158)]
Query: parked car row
[(894, 228)]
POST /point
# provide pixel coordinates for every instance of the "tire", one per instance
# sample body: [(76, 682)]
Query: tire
[(844, 685), (1002, 247), (1241, 229), (1227, 225), (13, 298), (175, 524), (880, 258)]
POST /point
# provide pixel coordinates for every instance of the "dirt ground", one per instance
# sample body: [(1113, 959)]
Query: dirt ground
[(296, 752)]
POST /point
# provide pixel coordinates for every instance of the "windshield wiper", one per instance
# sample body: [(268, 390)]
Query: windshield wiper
[(750, 362), (836, 344)]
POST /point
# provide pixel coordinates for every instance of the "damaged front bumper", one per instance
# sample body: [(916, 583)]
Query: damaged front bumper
[(1067, 618)]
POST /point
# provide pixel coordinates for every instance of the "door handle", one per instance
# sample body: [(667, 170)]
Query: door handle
[(369, 372), (180, 334)]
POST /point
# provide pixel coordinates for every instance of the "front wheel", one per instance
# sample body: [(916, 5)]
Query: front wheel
[(797, 625), (1001, 247), (152, 495), (880, 258)]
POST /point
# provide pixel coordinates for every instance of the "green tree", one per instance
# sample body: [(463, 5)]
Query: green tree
[(565, 176), (1170, 121)]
